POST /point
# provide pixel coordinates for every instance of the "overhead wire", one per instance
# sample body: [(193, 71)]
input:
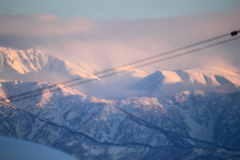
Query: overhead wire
[(125, 65), (121, 71), (156, 61), (117, 72), (155, 56)]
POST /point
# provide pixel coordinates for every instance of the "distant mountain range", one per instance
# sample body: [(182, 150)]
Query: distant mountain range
[(184, 114), (32, 65), (165, 82)]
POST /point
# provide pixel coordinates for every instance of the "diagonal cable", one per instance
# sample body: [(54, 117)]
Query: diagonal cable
[(122, 66), (126, 70)]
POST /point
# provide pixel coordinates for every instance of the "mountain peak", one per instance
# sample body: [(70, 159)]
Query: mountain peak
[(21, 61), (190, 79), (22, 64)]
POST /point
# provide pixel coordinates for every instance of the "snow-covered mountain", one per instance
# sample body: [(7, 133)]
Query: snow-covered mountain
[(165, 82), (32, 65), (191, 124), (192, 113)]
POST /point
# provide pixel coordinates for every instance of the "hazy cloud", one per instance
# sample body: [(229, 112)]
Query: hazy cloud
[(109, 43)]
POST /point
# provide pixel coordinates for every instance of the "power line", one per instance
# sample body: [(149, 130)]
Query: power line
[(104, 76), (52, 89), (149, 63), (155, 56), (126, 70), (128, 64)]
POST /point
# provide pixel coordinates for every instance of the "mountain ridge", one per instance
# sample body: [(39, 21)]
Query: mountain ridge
[(160, 122), (32, 63), (191, 79), (193, 113)]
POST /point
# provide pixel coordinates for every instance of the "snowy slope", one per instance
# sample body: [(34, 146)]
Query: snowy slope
[(192, 79), (32, 65), (94, 128), (177, 116)]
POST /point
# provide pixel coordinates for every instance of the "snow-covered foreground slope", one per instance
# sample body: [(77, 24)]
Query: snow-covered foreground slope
[(189, 124), (168, 82), (32, 65)]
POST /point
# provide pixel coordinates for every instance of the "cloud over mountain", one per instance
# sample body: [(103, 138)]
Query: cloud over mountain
[(108, 43)]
